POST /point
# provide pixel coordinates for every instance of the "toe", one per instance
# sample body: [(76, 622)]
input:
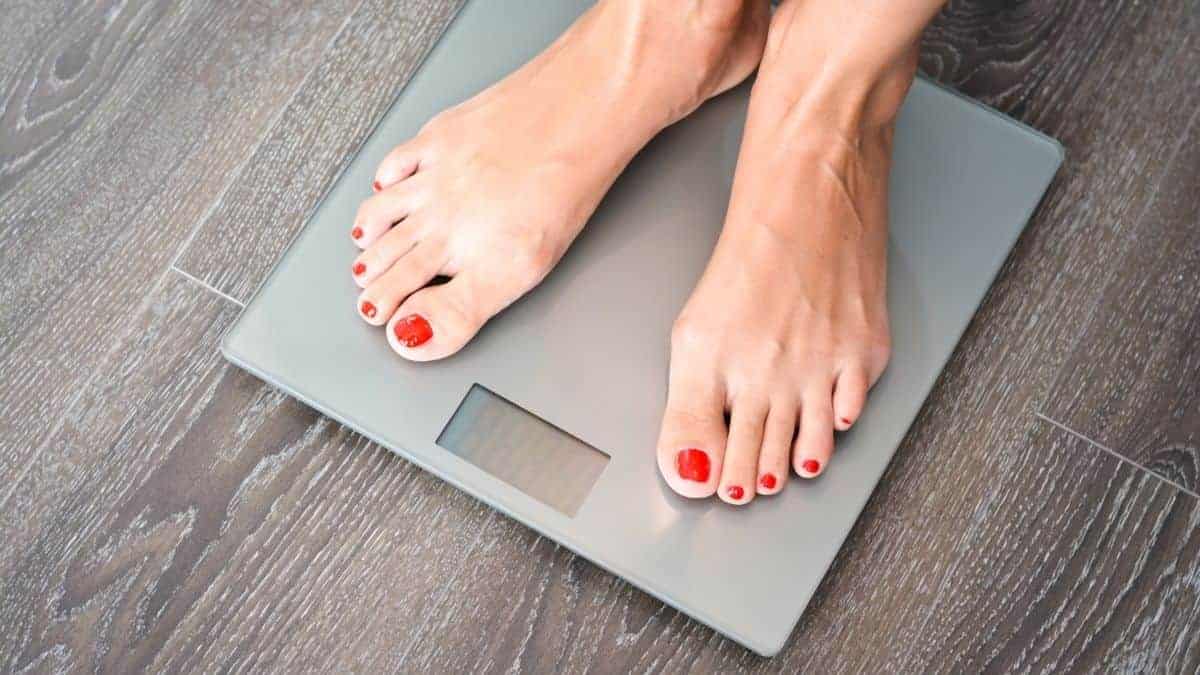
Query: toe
[(740, 468), (778, 436), (814, 442), (385, 253), (691, 443), (849, 395), (438, 321), (377, 215), (379, 300), (402, 162)]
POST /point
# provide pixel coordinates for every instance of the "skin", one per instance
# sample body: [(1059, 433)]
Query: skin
[(492, 192), (787, 329)]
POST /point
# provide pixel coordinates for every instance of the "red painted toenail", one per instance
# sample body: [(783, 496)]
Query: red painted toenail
[(846, 421), (811, 466), (377, 186), (359, 268), (356, 233), (736, 492), (768, 481), (693, 464), (368, 309), (413, 330)]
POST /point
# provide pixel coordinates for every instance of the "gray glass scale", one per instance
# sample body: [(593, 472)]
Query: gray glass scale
[(551, 414)]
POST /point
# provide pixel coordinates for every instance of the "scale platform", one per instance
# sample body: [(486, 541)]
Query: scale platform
[(547, 390)]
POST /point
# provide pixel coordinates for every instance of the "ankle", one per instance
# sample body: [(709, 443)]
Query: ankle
[(834, 65), (853, 98), (684, 52)]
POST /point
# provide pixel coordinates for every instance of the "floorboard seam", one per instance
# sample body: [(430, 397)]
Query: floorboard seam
[(208, 287), (1114, 453), (241, 167)]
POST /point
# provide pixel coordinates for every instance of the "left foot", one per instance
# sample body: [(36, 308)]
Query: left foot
[(788, 328), (493, 191)]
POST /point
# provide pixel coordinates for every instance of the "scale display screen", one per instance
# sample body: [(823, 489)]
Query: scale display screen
[(523, 450)]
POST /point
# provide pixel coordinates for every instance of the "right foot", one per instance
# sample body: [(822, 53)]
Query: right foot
[(492, 192)]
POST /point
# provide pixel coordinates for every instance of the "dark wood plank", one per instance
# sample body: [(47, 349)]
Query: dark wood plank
[(219, 523), (1076, 562), (70, 73), (126, 157), (375, 57), (1133, 383)]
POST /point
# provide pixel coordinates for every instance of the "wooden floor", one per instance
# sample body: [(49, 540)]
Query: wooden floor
[(160, 509)]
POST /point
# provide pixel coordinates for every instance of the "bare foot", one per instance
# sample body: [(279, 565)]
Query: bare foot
[(788, 328), (493, 191)]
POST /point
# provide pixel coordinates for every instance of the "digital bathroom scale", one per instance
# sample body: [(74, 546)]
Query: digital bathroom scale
[(551, 416)]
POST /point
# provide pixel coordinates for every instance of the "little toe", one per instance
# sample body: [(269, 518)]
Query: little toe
[(379, 300), (814, 442), (849, 396), (740, 468), (402, 162), (384, 212), (778, 435), (691, 443)]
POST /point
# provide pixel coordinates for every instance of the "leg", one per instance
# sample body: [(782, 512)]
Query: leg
[(788, 328), (492, 192)]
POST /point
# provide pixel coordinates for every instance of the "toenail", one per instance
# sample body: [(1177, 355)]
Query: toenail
[(368, 309), (413, 330), (736, 492), (846, 421), (692, 464), (356, 233), (768, 481), (377, 186), (811, 466), (359, 268)]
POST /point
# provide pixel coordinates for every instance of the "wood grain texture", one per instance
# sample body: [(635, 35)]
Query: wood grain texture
[(174, 514), (1133, 383), (1076, 562), (304, 153), (76, 68), (109, 191), (197, 538)]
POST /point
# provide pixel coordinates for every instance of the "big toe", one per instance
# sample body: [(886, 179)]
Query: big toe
[(437, 321), (691, 444)]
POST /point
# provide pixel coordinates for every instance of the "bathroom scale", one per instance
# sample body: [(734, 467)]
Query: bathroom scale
[(551, 414)]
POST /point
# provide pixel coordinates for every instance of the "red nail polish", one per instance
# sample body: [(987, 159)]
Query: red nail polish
[(693, 464), (377, 186), (368, 309), (356, 233), (846, 421), (768, 481), (736, 492), (811, 466), (413, 330), (359, 268)]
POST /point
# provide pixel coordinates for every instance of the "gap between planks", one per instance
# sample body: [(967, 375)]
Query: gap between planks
[(208, 287), (1114, 453)]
